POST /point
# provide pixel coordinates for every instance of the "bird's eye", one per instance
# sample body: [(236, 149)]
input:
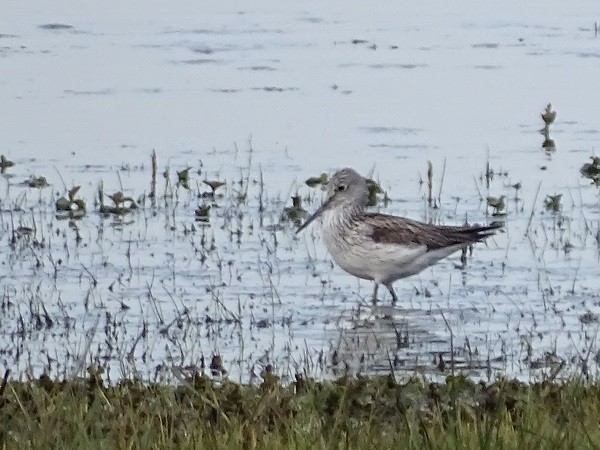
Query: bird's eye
[(340, 188)]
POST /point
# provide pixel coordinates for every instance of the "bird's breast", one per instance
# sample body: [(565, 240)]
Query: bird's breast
[(348, 244)]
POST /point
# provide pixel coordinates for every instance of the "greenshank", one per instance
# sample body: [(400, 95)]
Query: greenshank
[(380, 247)]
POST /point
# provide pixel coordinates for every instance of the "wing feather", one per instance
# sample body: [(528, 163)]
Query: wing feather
[(399, 230)]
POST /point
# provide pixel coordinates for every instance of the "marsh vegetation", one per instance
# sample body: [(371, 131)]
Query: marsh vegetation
[(344, 413), (191, 267), (164, 296)]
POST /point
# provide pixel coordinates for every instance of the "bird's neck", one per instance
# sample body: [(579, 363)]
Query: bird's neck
[(343, 217)]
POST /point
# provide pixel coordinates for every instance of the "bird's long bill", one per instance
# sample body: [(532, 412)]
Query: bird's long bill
[(314, 215)]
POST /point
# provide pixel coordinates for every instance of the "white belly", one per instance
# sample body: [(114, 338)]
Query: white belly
[(354, 250)]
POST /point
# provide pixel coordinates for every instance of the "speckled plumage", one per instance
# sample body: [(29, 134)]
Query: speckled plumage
[(380, 247)]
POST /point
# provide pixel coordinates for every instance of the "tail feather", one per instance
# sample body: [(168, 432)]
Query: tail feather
[(479, 233), (487, 230)]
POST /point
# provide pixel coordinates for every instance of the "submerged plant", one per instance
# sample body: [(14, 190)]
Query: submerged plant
[(549, 145), (5, 163), (75, 207), (316, 181), (296, 212), (183, 178), (517, 187), (374, 189), (213, 185), (122, 204), (552, 202), (592, 170), (548, 115), (37, 182), (202, 213), (498, 205)]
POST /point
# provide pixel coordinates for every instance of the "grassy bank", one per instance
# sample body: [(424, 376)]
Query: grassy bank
[(346, 413)]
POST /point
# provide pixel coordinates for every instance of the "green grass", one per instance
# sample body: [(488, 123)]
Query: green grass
[(347, 413)]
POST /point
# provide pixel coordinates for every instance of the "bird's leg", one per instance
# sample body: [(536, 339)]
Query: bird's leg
[(394, 296), (375, 293)]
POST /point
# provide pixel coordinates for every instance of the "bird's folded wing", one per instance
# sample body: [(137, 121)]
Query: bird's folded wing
[(399, 230)]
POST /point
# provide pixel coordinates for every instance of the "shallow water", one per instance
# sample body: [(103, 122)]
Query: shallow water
[(262, 98)]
